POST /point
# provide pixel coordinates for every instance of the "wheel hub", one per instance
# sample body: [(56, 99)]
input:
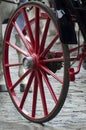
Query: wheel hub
[(28, 62)]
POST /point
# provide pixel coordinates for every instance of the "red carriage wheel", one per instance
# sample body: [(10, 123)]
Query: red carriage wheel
[(45, 61)]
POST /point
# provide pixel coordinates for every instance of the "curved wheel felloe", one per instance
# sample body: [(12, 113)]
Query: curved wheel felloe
[(44, 62)]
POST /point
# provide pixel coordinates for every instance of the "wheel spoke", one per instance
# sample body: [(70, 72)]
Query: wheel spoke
[(34, 97), (37, 29), (49, 46), (21, 78), (52, 60), (17, 48), (13, 65), (26, 90), (51, 73), (28, 25), (42, 94), (49, 87), (44, 35), (27, 45)]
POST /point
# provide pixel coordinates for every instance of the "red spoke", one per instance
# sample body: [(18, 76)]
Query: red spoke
[(27, 45), (51, 73), (49, 46), (27, 90), (13, 65), (17, 48), (49, 87), (37, 29), (52, 60), (34, 97), (42, 94), (21, 78), (28, 25), (44, 37)]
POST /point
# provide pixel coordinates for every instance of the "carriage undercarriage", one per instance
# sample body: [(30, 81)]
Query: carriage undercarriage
[(48, 63)]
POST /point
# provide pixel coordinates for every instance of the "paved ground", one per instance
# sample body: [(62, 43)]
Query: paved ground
[(71, 117)]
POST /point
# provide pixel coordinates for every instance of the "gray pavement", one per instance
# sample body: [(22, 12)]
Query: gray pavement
[(71, 117)]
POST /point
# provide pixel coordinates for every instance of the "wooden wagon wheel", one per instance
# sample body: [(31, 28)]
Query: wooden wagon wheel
[(45, 60)]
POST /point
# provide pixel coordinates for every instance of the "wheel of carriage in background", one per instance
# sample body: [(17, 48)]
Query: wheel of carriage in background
[(45, 61)]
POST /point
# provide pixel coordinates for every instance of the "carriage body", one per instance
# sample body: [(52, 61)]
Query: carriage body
[(75, 12)]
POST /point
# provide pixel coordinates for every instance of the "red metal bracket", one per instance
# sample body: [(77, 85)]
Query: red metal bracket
[(71, 74)]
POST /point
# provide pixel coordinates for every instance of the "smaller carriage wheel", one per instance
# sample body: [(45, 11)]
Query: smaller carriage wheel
[(45, 61)]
